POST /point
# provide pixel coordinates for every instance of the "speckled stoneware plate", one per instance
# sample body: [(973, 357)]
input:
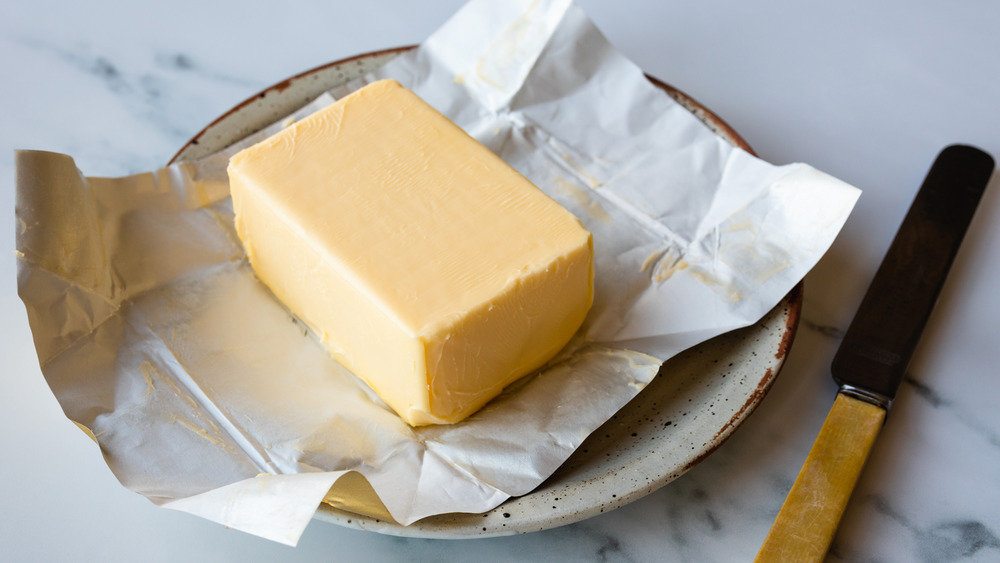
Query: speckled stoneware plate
[(699, 398)]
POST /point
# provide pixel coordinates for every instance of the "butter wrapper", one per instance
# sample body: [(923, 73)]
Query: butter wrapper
[(206, 395)]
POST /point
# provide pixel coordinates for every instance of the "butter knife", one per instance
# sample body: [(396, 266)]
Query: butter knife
[(872, 359)]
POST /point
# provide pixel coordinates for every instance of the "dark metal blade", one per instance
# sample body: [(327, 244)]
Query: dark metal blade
[(885, 330)]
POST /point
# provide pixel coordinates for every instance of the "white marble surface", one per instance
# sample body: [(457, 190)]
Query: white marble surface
[(866, 91)]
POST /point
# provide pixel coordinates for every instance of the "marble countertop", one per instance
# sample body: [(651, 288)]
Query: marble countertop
[(868, 92)]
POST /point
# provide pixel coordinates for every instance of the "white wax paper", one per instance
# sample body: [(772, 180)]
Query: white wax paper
[(207, 396)]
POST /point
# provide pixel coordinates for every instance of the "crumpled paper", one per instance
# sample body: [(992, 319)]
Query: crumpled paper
[(206, 395)]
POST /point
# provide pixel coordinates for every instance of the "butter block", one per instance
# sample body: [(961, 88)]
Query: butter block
[(427, 266)]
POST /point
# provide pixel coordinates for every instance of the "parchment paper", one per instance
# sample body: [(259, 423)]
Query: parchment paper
[(207, 396)]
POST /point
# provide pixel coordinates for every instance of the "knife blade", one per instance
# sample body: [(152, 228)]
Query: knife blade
[(875, 351)]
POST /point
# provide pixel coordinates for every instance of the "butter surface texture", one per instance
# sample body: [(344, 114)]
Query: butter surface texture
[(428, 266)]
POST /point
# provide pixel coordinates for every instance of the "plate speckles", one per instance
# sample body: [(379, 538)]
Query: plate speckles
[(695, 403)]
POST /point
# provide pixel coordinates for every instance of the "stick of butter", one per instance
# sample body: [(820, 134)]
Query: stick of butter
[(427, 266)]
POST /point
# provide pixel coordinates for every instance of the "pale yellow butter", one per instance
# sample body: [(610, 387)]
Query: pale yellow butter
[(428, 266)]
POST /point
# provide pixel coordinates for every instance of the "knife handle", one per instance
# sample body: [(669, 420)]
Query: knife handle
[(808, 519)]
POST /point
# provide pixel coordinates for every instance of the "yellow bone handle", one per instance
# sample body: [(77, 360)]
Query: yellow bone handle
[(807, 521)]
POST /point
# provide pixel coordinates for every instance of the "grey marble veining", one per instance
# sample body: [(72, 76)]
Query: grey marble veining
[(969, 420), (121, 88), (944, 540), (161, 97)]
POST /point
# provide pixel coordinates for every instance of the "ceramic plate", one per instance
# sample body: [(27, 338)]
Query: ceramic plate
[(695, 403)]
